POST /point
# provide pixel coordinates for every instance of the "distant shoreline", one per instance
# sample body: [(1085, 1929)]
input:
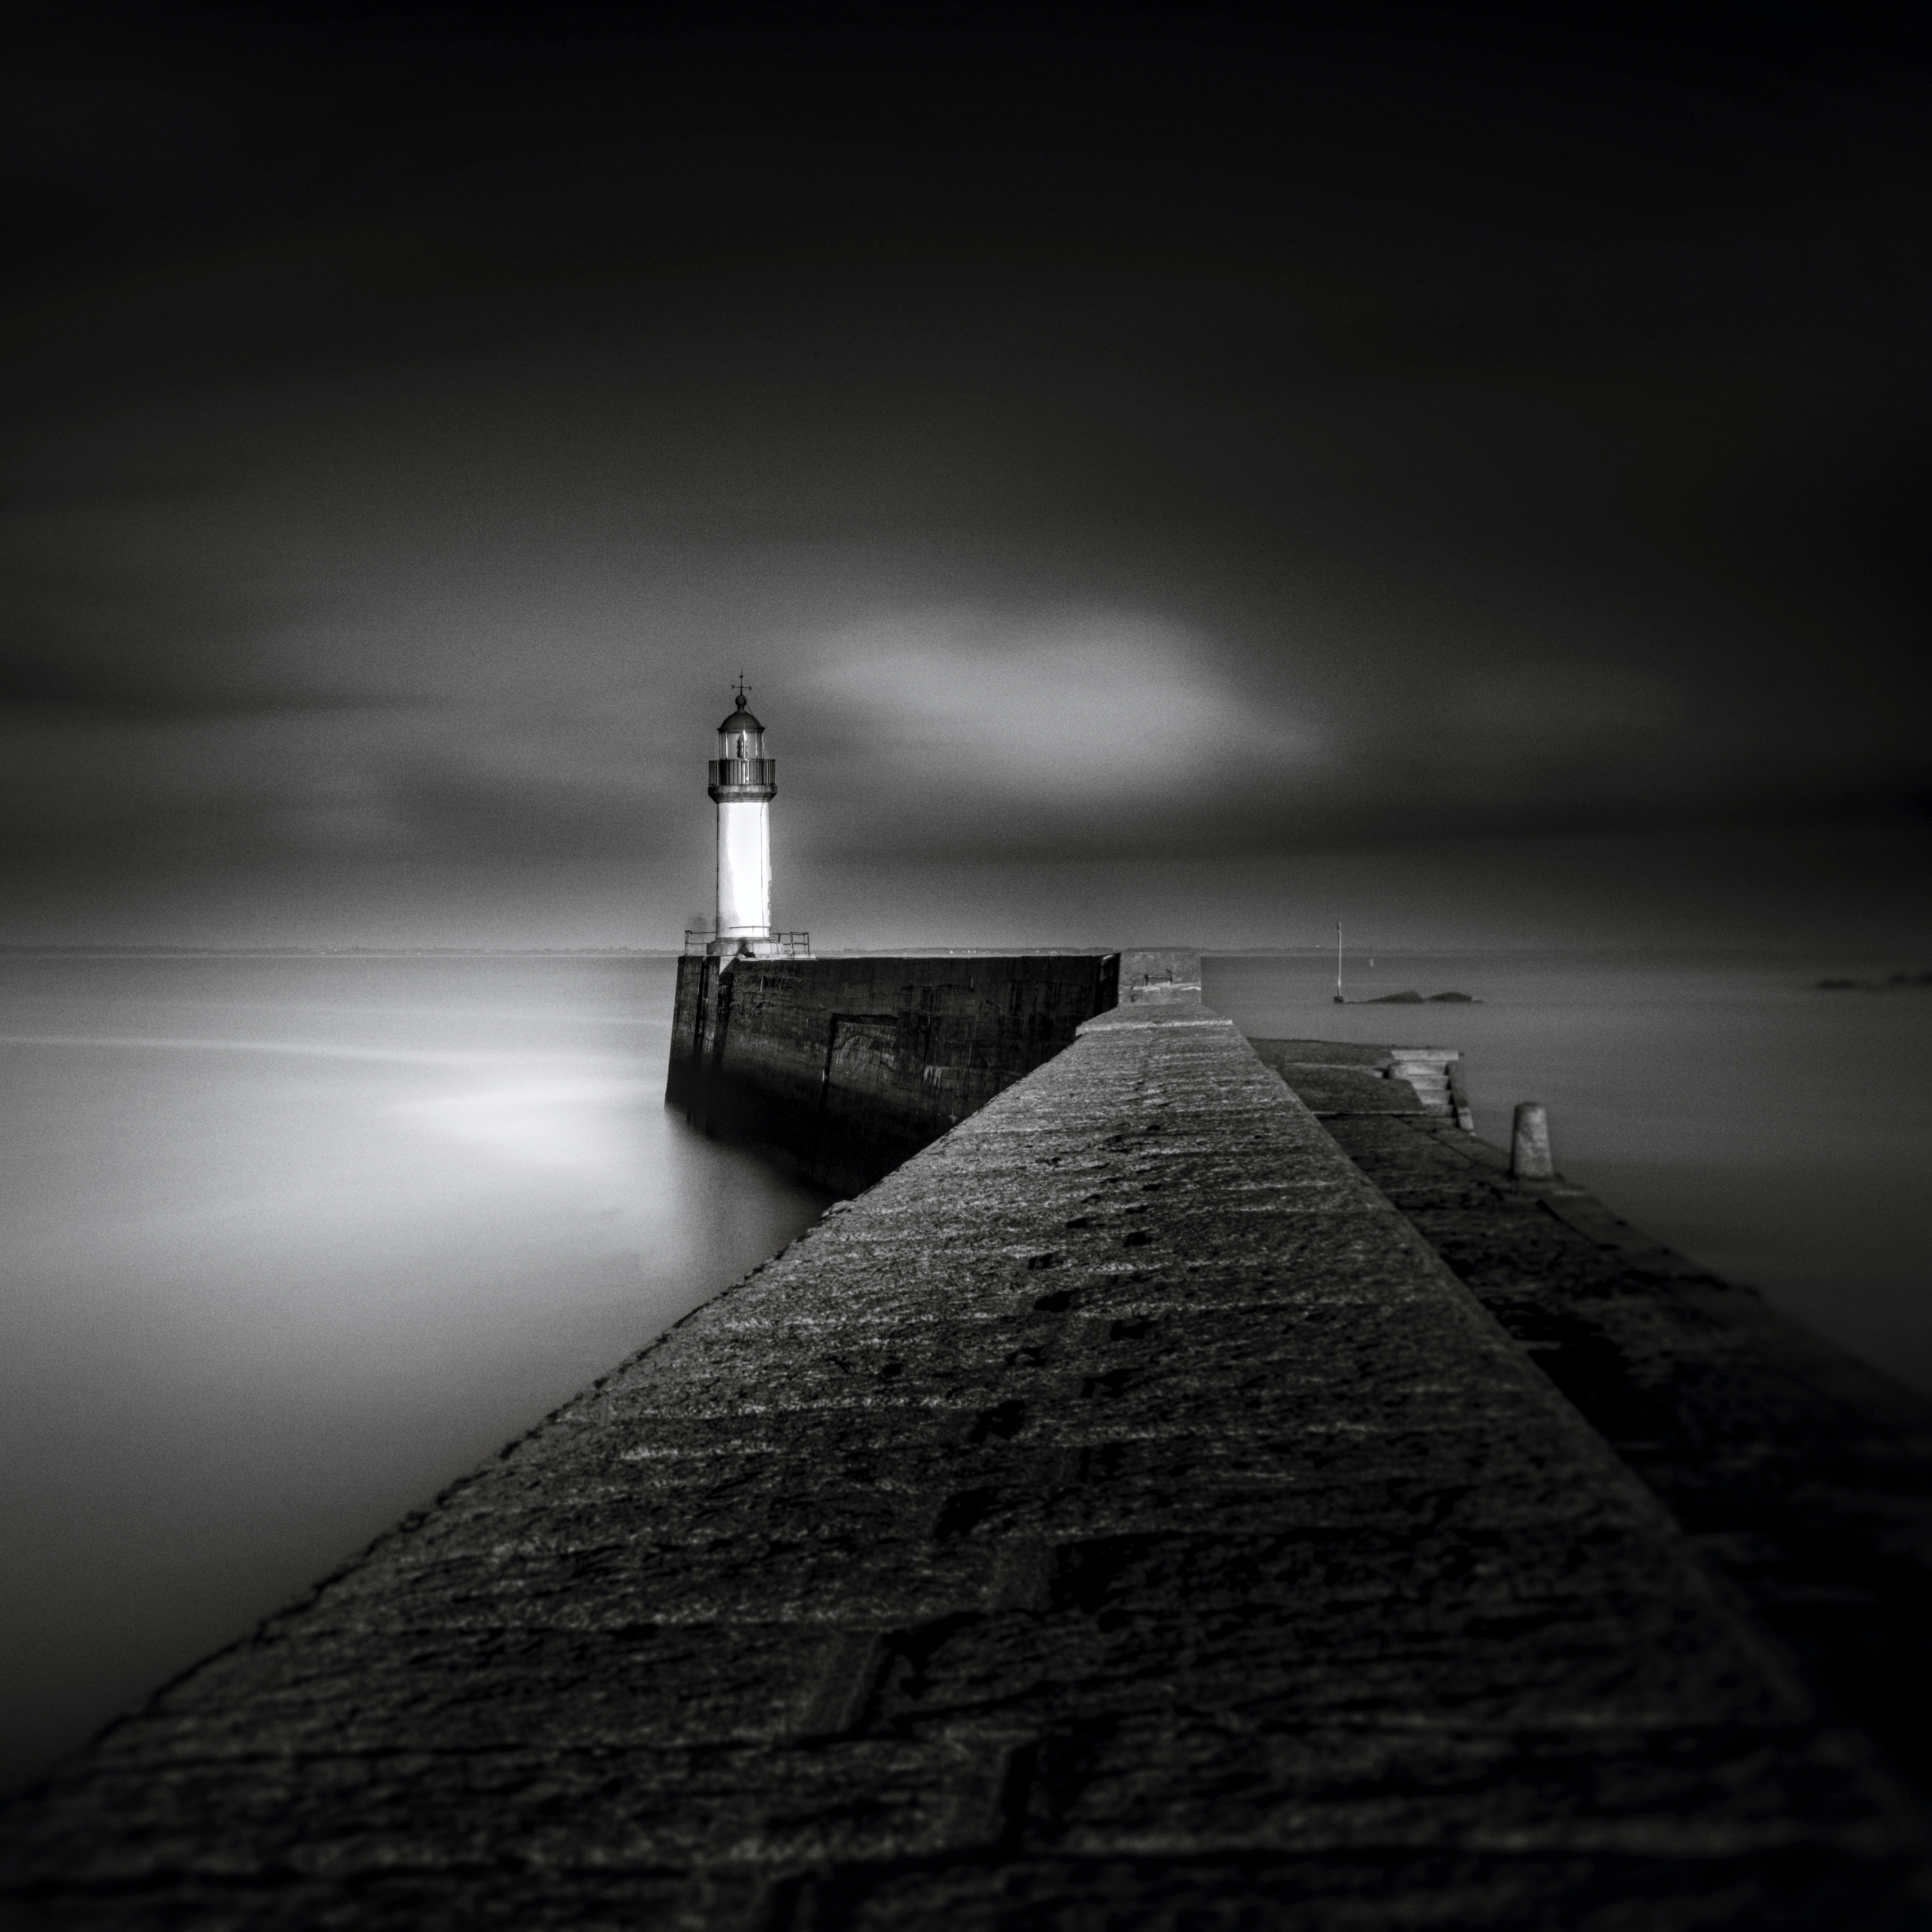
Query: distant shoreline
[(1410, 999), (337, 953), (1892, 982)]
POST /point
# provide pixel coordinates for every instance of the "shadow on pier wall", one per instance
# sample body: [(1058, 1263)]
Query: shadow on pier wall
[(842, 1068)]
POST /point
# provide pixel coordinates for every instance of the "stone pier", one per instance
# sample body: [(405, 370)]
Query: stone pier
[(1118, 1517), (1803, 1477)]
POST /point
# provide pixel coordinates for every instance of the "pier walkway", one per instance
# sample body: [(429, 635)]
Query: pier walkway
[(1119, 1517)]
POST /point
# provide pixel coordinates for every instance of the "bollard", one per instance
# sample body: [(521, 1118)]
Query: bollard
[(1529, 1143)]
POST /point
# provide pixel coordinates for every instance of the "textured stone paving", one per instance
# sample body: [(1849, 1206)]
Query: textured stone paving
[(1803, 1477), (1118, 1517)]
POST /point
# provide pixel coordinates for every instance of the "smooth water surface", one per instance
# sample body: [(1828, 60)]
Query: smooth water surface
[(1779, 1134), (290, 1243)]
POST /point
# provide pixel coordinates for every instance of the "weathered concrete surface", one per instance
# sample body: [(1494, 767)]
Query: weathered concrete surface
[(1117, 1518), (1803, 1477)]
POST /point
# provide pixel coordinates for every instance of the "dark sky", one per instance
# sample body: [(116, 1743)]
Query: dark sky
[(1202, 472)]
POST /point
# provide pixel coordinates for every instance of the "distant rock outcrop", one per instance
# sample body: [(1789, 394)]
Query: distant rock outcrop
[(1891, 982)]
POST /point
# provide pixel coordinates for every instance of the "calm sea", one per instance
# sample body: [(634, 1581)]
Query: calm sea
[(293, 1242)]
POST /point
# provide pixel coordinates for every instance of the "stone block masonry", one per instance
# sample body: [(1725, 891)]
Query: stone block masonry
[(1118, 1517), (841, 1068)]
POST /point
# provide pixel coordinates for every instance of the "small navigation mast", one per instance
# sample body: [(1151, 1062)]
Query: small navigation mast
[(743, 783)]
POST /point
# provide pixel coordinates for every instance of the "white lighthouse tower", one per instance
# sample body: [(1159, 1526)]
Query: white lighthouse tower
[(743, 783)]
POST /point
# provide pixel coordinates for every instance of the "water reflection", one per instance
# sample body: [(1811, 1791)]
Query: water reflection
[(291, 1244)]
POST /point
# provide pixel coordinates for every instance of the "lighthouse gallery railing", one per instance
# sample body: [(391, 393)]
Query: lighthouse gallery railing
[(775, 945)]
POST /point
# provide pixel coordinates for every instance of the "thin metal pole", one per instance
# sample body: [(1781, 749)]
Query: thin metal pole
[(1339, 999)]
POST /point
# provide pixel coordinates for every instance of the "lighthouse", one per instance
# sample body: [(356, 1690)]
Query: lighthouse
[(743, 784)]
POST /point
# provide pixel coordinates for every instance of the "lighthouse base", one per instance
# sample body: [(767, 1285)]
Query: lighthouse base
[(749, 946)]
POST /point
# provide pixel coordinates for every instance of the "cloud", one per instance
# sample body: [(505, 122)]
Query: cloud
[(1069, 706), (1085, 453)]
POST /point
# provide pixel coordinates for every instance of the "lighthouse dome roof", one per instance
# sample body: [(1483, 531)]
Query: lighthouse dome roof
[(740, 720)]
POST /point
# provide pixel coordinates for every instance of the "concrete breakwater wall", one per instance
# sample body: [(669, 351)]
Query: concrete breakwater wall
[(841, 1068)]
